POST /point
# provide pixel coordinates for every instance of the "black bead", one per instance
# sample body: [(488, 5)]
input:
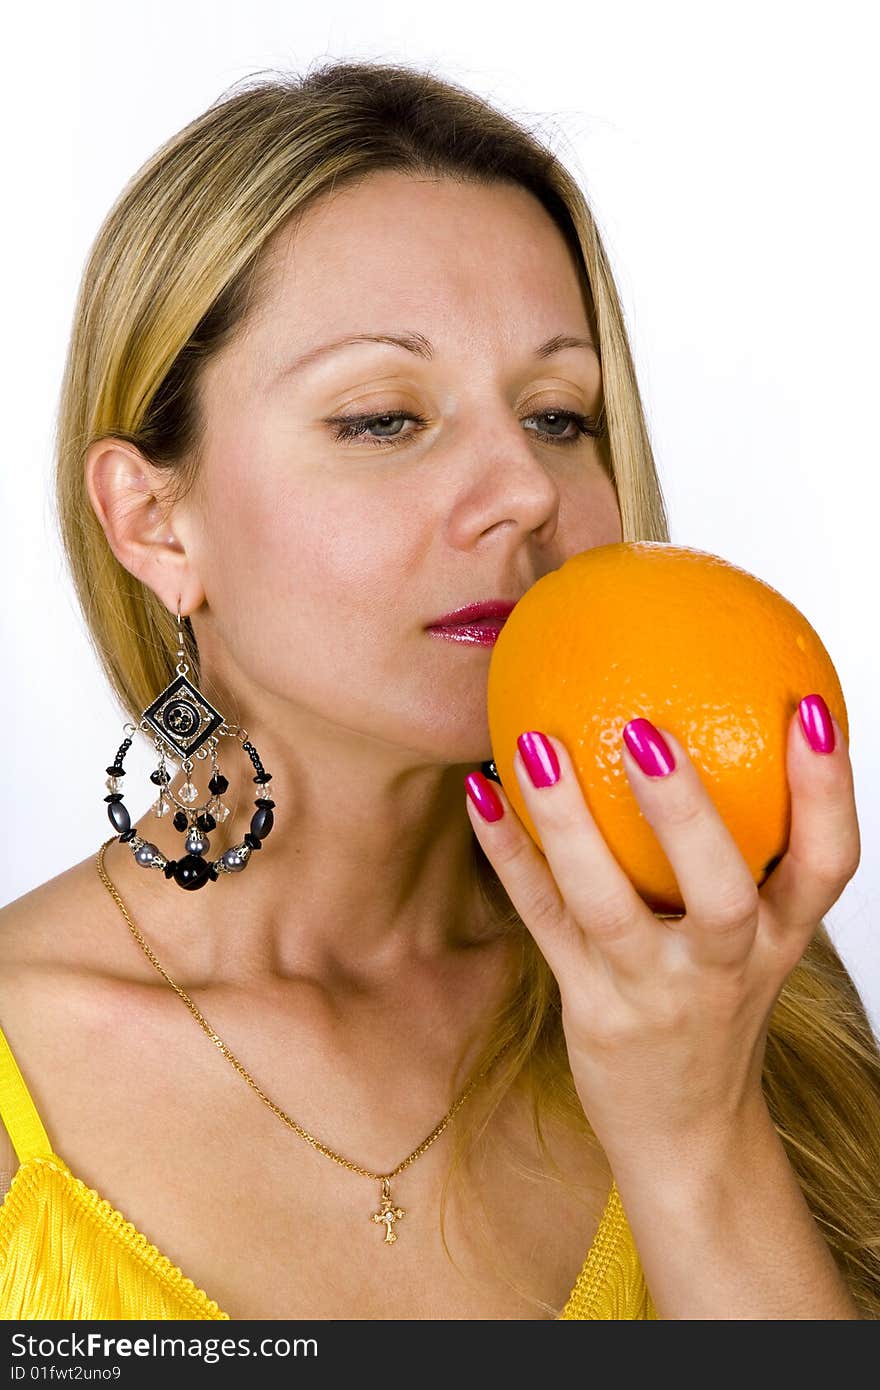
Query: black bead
[(192, 871), (115, 770), (169, 868), (205, 821), (180, 821), (160, 776), (252, 840), (119, 817), (489, 770), (263, 801), (212, 873), (263, 777), (262, 822), (114, 796), (218, 784), (128, 835)]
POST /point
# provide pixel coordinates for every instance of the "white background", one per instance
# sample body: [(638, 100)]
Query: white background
[(729, 153)]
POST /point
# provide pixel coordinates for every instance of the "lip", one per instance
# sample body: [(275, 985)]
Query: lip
[(484, 635), (496, 609), (477, 624)]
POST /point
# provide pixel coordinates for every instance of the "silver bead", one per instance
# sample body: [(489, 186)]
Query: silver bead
[(146, 853), (197, 842), (233, 860)]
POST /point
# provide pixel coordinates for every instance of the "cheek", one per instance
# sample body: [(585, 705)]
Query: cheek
[(340, 554), (590, 517), (310, 562), (300, 601)]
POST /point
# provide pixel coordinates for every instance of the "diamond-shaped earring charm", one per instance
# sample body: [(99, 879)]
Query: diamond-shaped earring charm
[(183, 716)]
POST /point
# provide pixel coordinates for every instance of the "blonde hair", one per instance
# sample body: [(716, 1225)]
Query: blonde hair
[(170, 279)]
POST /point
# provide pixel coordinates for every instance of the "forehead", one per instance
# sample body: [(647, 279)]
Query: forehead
[(427, 251)]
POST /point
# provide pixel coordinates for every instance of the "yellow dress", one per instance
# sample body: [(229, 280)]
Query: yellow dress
[(67, 1253)]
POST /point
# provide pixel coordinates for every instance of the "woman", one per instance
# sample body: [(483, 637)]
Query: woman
[(347, 357)]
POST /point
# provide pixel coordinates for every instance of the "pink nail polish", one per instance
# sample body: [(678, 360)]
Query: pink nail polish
[(816, 724), (648, 747), (540, 758), (484, 796)]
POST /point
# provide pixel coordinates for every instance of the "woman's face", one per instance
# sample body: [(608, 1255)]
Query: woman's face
[(324, 559)]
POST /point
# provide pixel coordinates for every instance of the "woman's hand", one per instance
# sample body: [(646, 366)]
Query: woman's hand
[(666, 1021)]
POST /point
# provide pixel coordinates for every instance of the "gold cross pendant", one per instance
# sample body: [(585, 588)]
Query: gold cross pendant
[(388, 1213)]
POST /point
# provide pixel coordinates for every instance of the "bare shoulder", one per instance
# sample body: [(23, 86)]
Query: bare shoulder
[(25, 923), (58, 925), (59, 981), (40, 937), (59, 961)]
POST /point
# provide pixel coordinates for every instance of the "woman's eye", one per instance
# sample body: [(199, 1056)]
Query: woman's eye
[(355, 426), (568, 419)]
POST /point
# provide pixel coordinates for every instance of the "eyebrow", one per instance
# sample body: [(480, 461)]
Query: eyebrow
[(420, 346)]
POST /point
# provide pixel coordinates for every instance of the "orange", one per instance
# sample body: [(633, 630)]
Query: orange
[(678, 636)]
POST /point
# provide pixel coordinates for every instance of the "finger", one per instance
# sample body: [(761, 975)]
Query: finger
[(599, 895), (824, 844), (524, 873), (715, 882)]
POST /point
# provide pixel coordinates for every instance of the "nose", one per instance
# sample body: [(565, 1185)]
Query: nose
[(509, 484)]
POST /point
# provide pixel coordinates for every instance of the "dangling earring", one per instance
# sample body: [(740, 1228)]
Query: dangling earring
[(184, 723)]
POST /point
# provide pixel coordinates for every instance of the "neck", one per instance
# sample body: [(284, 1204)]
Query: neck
[(371, 867)]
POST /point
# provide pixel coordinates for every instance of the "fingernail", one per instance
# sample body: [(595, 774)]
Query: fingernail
[(816, 723), (648, 747), (540, 758), (484, 796)]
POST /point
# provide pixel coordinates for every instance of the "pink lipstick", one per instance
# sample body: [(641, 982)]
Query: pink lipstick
[(477, 624)]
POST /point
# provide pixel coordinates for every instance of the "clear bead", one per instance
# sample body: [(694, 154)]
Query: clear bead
[(160, 808), (220, 812), (189, 793), (112, 784)]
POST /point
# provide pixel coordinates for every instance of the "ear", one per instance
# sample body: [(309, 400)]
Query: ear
[(126, 492)]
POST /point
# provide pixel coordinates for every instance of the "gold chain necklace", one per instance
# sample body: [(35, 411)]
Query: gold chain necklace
[(388, 1212)]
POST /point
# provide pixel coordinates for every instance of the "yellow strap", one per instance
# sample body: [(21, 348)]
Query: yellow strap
[(17, 1109)]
